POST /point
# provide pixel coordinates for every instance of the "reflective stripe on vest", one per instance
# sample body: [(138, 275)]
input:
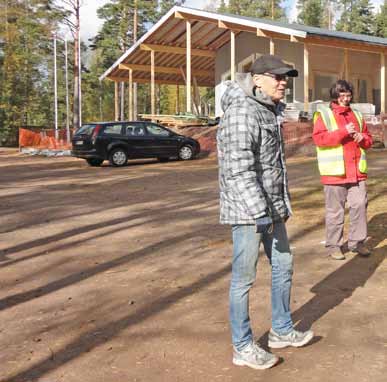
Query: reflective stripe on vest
[(331, 159)]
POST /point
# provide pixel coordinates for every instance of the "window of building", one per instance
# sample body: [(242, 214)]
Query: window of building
[(361, 88), (289, 93), (322, 84), (226, 76), (245, 65)]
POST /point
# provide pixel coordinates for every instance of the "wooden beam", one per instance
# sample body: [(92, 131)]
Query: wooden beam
[(116, 104), (206, 83), (344, 44), (202, 34), (306, 78), (186, 16), (219, 41), (153, 104), (232, 55), (130, 95), (235, 27), (163, 69), (178, 50), (262, 33), (122, 101), (382, 83), (177, 100), (346, 66), (296, 39), (188, 65), (269, 34), (272, 47), (183, 75)]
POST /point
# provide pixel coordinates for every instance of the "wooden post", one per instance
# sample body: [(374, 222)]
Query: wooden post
[(177, 100), (188, 66), (130, 96), (116, 105), (122, 101), (346, 73), (232, 43), (153, 104), (306, 78), (135, 101), (382, 83), (272, 47)]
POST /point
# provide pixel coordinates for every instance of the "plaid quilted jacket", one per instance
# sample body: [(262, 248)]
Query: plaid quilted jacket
[(252, 172)]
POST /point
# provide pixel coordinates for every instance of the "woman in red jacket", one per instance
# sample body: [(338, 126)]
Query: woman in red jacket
[(341, 137)]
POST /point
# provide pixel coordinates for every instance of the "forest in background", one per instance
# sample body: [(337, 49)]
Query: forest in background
[(27, 28)]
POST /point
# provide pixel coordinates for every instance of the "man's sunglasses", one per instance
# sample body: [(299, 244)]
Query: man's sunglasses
[(277, 77)]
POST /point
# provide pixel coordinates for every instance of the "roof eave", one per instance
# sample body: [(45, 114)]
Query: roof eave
[(237, 20)]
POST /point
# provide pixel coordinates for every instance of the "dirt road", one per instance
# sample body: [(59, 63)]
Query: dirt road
[(115, 275)]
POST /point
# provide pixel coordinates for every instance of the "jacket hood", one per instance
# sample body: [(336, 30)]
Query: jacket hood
[(243, 87)]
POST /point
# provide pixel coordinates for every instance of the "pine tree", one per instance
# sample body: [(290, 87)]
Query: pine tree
[(346, 19), (267, 9), (381, 21), (311, 12), (26, 34), (364, 19), (166, 5), (356, 17), (222, 7), (330, 9)]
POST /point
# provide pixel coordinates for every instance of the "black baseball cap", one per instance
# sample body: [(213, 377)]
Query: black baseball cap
[(272, 64)]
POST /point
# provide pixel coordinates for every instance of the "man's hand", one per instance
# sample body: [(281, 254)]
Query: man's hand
[(264, 224), (350, 128), (357, 137)]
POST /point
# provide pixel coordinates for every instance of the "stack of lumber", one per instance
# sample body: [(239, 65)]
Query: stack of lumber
[(177, 121)]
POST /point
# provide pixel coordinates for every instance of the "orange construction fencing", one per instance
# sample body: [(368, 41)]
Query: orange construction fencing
[(43, 139)]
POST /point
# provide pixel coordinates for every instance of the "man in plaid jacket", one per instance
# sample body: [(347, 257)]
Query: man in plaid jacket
[(254, 200)]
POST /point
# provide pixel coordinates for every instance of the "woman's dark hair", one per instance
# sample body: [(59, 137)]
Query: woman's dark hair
[(341, 86)]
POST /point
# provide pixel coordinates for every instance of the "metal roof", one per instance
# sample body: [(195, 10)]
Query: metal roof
[(209, 32), (314, 30)]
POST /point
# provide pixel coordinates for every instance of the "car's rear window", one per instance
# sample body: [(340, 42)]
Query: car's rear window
[(86, 129), (112, 129)]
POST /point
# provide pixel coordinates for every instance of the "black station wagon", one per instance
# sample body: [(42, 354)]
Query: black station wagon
[(120, 141)]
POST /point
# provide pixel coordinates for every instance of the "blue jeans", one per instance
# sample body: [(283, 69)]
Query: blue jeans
[(246, 244)]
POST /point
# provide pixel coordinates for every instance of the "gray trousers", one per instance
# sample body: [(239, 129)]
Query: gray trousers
[(335, 198)]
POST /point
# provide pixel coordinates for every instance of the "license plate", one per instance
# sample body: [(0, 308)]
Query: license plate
[(79, 142)]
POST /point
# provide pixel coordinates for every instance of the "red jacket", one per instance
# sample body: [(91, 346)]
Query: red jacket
[(323, 138)]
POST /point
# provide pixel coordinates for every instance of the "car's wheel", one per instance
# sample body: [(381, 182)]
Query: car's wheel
[(95, 162), (163, 159), (118, 157), (186, 152)]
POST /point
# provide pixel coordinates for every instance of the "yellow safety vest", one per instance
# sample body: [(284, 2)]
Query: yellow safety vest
[(331, 159)]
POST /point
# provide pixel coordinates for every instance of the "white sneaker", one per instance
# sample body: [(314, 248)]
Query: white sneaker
[(294, 338), (255, 357)]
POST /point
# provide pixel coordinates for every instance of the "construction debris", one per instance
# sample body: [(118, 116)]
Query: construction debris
[(45, 152)]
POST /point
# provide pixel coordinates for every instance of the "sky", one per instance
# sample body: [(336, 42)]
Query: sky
[(90, 22)]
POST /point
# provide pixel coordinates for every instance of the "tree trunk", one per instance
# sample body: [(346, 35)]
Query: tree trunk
[(135, 22), (76, 111)]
